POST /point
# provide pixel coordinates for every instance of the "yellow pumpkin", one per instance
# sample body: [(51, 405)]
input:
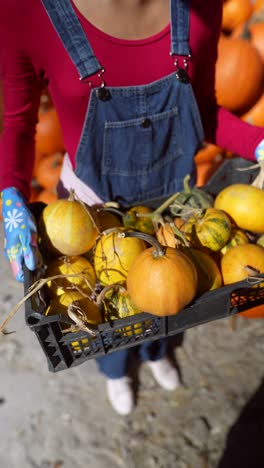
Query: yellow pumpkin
[(114, 254), (245, 205), (90, 310), (60, 305), (76, 265), (242, 261), (66, 227)]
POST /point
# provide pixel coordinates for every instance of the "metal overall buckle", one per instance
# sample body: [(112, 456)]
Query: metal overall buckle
[(102, 93), (181, 73)]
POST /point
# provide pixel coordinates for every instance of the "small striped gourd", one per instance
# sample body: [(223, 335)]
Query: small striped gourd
[(213, 229), (119, 305), (238, 237), (126, 308)]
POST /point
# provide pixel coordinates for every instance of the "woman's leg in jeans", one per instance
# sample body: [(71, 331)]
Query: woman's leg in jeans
[(154, 353), (114, 365), (119, 389), (153, 350)]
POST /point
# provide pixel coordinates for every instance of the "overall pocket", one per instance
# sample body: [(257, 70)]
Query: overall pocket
[(139, 146)]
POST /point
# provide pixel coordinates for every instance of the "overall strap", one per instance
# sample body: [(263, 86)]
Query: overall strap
[(70, 31), (180, 23)]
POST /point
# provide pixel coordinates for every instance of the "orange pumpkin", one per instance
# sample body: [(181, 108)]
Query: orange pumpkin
[(253, 313), (161, 280), (207, 153), (162, 284), (205, 170), (48, 138), (239, 74), (253, 32), (258, 6), (48, 170), (235, 12)]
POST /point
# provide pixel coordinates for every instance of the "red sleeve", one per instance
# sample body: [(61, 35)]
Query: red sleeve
[(221, 126), (21, 90)]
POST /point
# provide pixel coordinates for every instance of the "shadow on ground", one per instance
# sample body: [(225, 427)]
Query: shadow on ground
[(245, 440)]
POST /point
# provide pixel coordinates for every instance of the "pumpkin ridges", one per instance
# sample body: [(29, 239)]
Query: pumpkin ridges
[(149, 281), (213, 230), (66, 227)]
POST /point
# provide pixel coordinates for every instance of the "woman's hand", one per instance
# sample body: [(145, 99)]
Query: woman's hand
[(20, 233)]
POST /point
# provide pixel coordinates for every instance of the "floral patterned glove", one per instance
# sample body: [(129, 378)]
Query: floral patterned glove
[(20, 232), (259, 152)]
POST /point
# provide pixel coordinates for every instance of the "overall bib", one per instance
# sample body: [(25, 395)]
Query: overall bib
[(137, 142)]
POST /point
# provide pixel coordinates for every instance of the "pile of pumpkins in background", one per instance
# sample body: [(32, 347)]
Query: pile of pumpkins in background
[(239, 73)]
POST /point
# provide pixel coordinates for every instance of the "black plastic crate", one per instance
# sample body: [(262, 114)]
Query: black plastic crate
[(230, 173), (64, 351)]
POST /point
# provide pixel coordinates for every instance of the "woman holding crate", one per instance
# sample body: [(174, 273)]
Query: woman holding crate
[(133, 85)]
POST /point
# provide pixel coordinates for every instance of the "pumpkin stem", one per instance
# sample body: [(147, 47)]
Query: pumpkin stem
[(35, 287), (252, 271), (259, 180), (111, 209), (155, 216), (178, 233), (71, 195), (186, 211), (186, 183), (159, 251), (101, 295), (74, 197)]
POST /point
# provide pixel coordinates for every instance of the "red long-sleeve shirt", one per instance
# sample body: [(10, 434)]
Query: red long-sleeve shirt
[(30, 50)]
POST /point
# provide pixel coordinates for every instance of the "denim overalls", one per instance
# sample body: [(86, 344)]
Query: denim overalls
[(137, 142)]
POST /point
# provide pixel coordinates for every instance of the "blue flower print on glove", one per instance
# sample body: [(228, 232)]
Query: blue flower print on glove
[(259, 152), (20, 233)]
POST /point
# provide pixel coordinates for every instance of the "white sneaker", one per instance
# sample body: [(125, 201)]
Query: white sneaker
[(120, 395), (165, 373)]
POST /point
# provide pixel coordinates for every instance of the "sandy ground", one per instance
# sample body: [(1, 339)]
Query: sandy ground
[(215, 420)]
